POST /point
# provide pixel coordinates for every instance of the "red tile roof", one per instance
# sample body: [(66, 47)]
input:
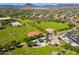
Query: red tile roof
[(32, 34), (49, 30)]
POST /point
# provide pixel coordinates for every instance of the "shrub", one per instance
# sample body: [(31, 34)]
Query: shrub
[(27, 39), (13, 42), (11, 47), (30, 44), (67, 46), (19, 45), (40, 35)]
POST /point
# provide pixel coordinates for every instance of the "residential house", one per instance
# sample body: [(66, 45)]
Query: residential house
[(50, 31), (33, 34)]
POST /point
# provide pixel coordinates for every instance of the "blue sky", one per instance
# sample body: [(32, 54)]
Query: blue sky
[(45, 4), (32, 3), (11, 3)]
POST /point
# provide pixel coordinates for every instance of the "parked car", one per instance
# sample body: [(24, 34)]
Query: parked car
[(42, 39)]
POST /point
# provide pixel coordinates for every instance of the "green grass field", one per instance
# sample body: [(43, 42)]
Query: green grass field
[(56, 26), (15, 33), (46, 50), (20, 33), (36, 51)]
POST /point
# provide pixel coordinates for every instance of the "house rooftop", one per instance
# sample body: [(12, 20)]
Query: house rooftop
[(32, 34), (49, 30)]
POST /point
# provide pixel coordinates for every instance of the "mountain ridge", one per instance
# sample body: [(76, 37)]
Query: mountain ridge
[(33, 5)]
